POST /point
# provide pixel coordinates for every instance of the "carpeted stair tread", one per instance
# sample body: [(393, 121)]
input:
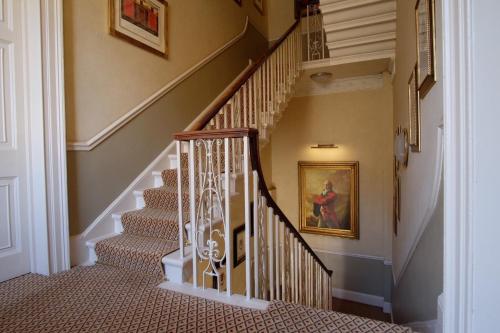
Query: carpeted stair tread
[(137, 253), (169, 178), (165, 197), (152, 222)]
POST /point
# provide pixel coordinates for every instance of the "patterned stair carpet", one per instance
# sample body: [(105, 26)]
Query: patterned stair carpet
[(103, 298), (150, 233)]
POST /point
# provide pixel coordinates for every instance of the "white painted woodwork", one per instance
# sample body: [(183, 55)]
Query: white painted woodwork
[(14, 145)]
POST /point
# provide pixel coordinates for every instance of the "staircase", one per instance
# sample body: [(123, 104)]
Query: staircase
[(183, 229)]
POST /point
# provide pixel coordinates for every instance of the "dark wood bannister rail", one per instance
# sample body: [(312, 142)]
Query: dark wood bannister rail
[(253, 136), (235, 86)]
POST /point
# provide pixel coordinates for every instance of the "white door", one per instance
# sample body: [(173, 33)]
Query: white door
[(14, 154)]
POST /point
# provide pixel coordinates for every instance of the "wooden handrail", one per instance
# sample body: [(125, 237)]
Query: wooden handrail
[(222, 100), (255, 160), (253, 136), (215, 134)]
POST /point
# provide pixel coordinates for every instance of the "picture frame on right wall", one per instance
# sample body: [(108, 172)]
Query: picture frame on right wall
[(414, 111), (426, 54)]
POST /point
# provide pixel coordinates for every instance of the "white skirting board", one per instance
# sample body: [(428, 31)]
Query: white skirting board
[(363, 298), (214, 295)]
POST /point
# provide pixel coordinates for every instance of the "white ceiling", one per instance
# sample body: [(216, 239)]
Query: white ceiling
[(361, 32), (360, 27)]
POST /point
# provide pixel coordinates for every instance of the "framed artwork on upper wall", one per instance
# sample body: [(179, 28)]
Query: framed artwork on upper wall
[(259, 4), (414, 111), (328, 198), (142, 23), (426, 55)]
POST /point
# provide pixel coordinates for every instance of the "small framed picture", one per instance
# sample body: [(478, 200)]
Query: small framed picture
[(259, 4), (239, 245), (140, 22), (426, 55), (414, 111)]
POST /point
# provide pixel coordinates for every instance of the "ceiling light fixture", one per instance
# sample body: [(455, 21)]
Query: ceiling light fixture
[(321, 77), (326, 145)]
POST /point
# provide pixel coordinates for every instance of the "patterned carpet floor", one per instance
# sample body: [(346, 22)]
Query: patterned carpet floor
[(103, 298)]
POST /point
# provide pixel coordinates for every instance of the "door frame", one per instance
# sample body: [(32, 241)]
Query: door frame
[(458, 165), (44, 86)]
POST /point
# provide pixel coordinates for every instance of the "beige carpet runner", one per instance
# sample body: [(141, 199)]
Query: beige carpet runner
[(103, 298), (149, 233)]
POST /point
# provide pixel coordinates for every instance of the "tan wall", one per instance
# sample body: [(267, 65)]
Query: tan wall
[(278, 16), (417, 183), (106, 77), (98, 176), (361, 124)]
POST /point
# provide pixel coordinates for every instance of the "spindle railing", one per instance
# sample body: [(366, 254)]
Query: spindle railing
[(226, 189)]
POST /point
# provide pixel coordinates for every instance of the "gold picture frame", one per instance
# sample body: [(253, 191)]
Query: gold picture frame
[(414, 112), (259, 4), (142, 23), (426, 53), (329, 198)]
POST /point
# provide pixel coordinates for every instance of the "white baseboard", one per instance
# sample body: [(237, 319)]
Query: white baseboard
[(363, 298), (423, 326), (214, 295)]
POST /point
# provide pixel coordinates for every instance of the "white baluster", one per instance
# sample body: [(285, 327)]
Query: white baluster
[(283, 257), (227, 217), (248, 269), (308, 36), (270, 238), (256, 231), (292, 268), (192, 210), (278, 254), (179, 199), (245, 104), (263, 242), (296, 266)]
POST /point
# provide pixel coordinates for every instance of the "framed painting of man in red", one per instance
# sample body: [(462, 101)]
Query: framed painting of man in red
[(328, 198), (140, 22)]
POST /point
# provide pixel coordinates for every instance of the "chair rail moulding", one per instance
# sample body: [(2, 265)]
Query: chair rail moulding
[(126, 118)]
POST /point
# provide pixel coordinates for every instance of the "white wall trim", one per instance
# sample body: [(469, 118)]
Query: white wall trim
[(459, 161), (423, 326), (307, 87), (55, 134), (349, 59), (363, 298), (126, 118), (33, 87), (46, 122), (354, 255)]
